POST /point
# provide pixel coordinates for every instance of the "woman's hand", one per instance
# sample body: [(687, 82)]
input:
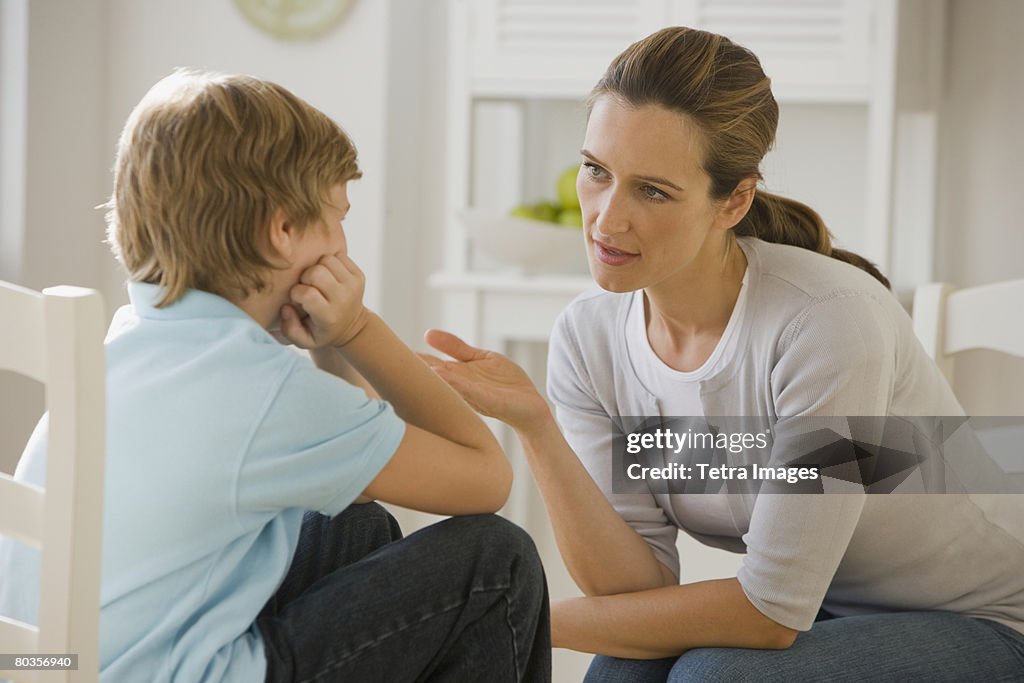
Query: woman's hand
[(491, 383)]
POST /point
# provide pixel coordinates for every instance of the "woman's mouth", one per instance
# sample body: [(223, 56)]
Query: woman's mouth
[(611, 256)]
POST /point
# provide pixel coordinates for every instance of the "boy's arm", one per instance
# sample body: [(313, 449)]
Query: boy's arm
[(448, 462), (329, 359)]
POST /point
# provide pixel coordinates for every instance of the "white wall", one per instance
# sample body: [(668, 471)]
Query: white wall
[(980, 227), (61, 53)]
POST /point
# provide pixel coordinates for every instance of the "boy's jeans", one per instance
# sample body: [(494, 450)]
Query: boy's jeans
[(464, 599)]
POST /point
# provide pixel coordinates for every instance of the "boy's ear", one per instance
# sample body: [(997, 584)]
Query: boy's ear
[(281, 236), (736, 205)]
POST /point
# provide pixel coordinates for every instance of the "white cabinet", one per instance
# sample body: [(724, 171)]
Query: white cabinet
[(530, 48), (815, 50), (857, 82)]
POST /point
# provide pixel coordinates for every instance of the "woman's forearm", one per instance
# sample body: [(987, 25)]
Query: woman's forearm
[(665, 622), (603, 554)]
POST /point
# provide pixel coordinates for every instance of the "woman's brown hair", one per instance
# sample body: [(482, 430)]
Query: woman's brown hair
[(723, 89), (203, 162)]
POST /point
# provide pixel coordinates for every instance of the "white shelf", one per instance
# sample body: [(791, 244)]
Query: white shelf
[(494, 310), (511, 282)]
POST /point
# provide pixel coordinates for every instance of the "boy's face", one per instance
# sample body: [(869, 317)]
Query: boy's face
[(326, 236), (306, 248)]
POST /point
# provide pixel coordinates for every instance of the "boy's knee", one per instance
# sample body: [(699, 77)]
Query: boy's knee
[(368, 511), (497, 537), (497, 530)]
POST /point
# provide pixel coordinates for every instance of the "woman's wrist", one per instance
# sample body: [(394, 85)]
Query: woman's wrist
[(539, 430)]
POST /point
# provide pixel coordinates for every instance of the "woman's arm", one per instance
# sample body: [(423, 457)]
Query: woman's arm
[(666, 622), (602, 552), (604, 555)]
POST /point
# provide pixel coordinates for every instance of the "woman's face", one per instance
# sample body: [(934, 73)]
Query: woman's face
[(647, 216)]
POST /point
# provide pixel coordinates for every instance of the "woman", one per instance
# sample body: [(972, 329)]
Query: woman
[(722, 299)]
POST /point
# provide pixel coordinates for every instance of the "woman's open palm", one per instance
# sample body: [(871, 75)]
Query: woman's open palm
[(490, 382)]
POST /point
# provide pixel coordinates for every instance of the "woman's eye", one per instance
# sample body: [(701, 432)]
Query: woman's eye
[(651, 192), (592, 170)]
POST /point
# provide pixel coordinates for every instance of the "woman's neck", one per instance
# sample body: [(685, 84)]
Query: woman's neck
[(695, 306)]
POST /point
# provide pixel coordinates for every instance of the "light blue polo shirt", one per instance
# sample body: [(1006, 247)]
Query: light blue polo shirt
[(218, 439)]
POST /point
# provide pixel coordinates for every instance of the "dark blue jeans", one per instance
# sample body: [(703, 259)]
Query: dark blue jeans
[(464, 599), (902, 647)]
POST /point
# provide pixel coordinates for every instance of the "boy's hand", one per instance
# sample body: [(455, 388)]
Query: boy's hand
[(330, 293)]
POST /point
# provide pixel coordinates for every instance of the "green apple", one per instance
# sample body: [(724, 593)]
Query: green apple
[(523, 211), (546, 211), (566, 188), (572, 218)]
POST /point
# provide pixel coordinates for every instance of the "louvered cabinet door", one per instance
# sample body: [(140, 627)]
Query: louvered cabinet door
[(552, 47), (813, 50)]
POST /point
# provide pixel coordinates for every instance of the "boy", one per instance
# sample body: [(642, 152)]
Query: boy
[(229, 195)]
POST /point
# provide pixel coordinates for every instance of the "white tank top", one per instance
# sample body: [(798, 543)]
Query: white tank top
[(678, 394)]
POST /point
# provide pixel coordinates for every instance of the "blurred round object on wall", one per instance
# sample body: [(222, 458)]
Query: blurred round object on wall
[(294, 19)]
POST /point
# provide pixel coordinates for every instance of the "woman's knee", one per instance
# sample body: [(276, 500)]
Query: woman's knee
[(720, 665), (605, 669)]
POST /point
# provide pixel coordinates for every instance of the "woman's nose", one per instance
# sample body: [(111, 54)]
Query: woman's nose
[(612, 217)]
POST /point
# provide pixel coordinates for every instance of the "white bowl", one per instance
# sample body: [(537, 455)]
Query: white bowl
[(531, 247)]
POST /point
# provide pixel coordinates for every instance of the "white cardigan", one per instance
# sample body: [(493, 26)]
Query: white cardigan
[(819, 338)]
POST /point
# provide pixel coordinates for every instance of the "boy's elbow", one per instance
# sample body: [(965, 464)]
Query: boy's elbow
[(499, 485)]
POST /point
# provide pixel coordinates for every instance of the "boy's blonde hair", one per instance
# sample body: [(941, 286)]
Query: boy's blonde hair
[(203, 162)]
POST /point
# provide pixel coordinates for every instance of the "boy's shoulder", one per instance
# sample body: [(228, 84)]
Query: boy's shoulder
[(201, 347)]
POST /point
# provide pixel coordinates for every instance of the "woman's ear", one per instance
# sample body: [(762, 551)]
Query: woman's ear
[(735, 206), (280, 238)]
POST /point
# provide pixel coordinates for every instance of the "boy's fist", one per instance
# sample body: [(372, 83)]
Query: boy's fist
[(330, 292)]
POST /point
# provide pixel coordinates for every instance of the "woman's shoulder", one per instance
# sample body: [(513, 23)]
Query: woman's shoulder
[(593, 310), (798, 295), (589, 333), (785, 272)]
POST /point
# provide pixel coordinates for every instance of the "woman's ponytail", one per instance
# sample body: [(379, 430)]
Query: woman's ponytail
[(778, 219)]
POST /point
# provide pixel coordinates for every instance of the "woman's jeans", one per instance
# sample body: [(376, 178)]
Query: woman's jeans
[(464, 599), (901, 646)]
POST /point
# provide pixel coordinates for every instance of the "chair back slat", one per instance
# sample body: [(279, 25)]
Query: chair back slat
[(25, 351), (17, 637), (949, 320), (21, 511), (987, 317)]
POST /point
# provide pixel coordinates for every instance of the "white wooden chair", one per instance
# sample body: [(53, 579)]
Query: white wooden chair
[(949, 320), (56, 337)]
